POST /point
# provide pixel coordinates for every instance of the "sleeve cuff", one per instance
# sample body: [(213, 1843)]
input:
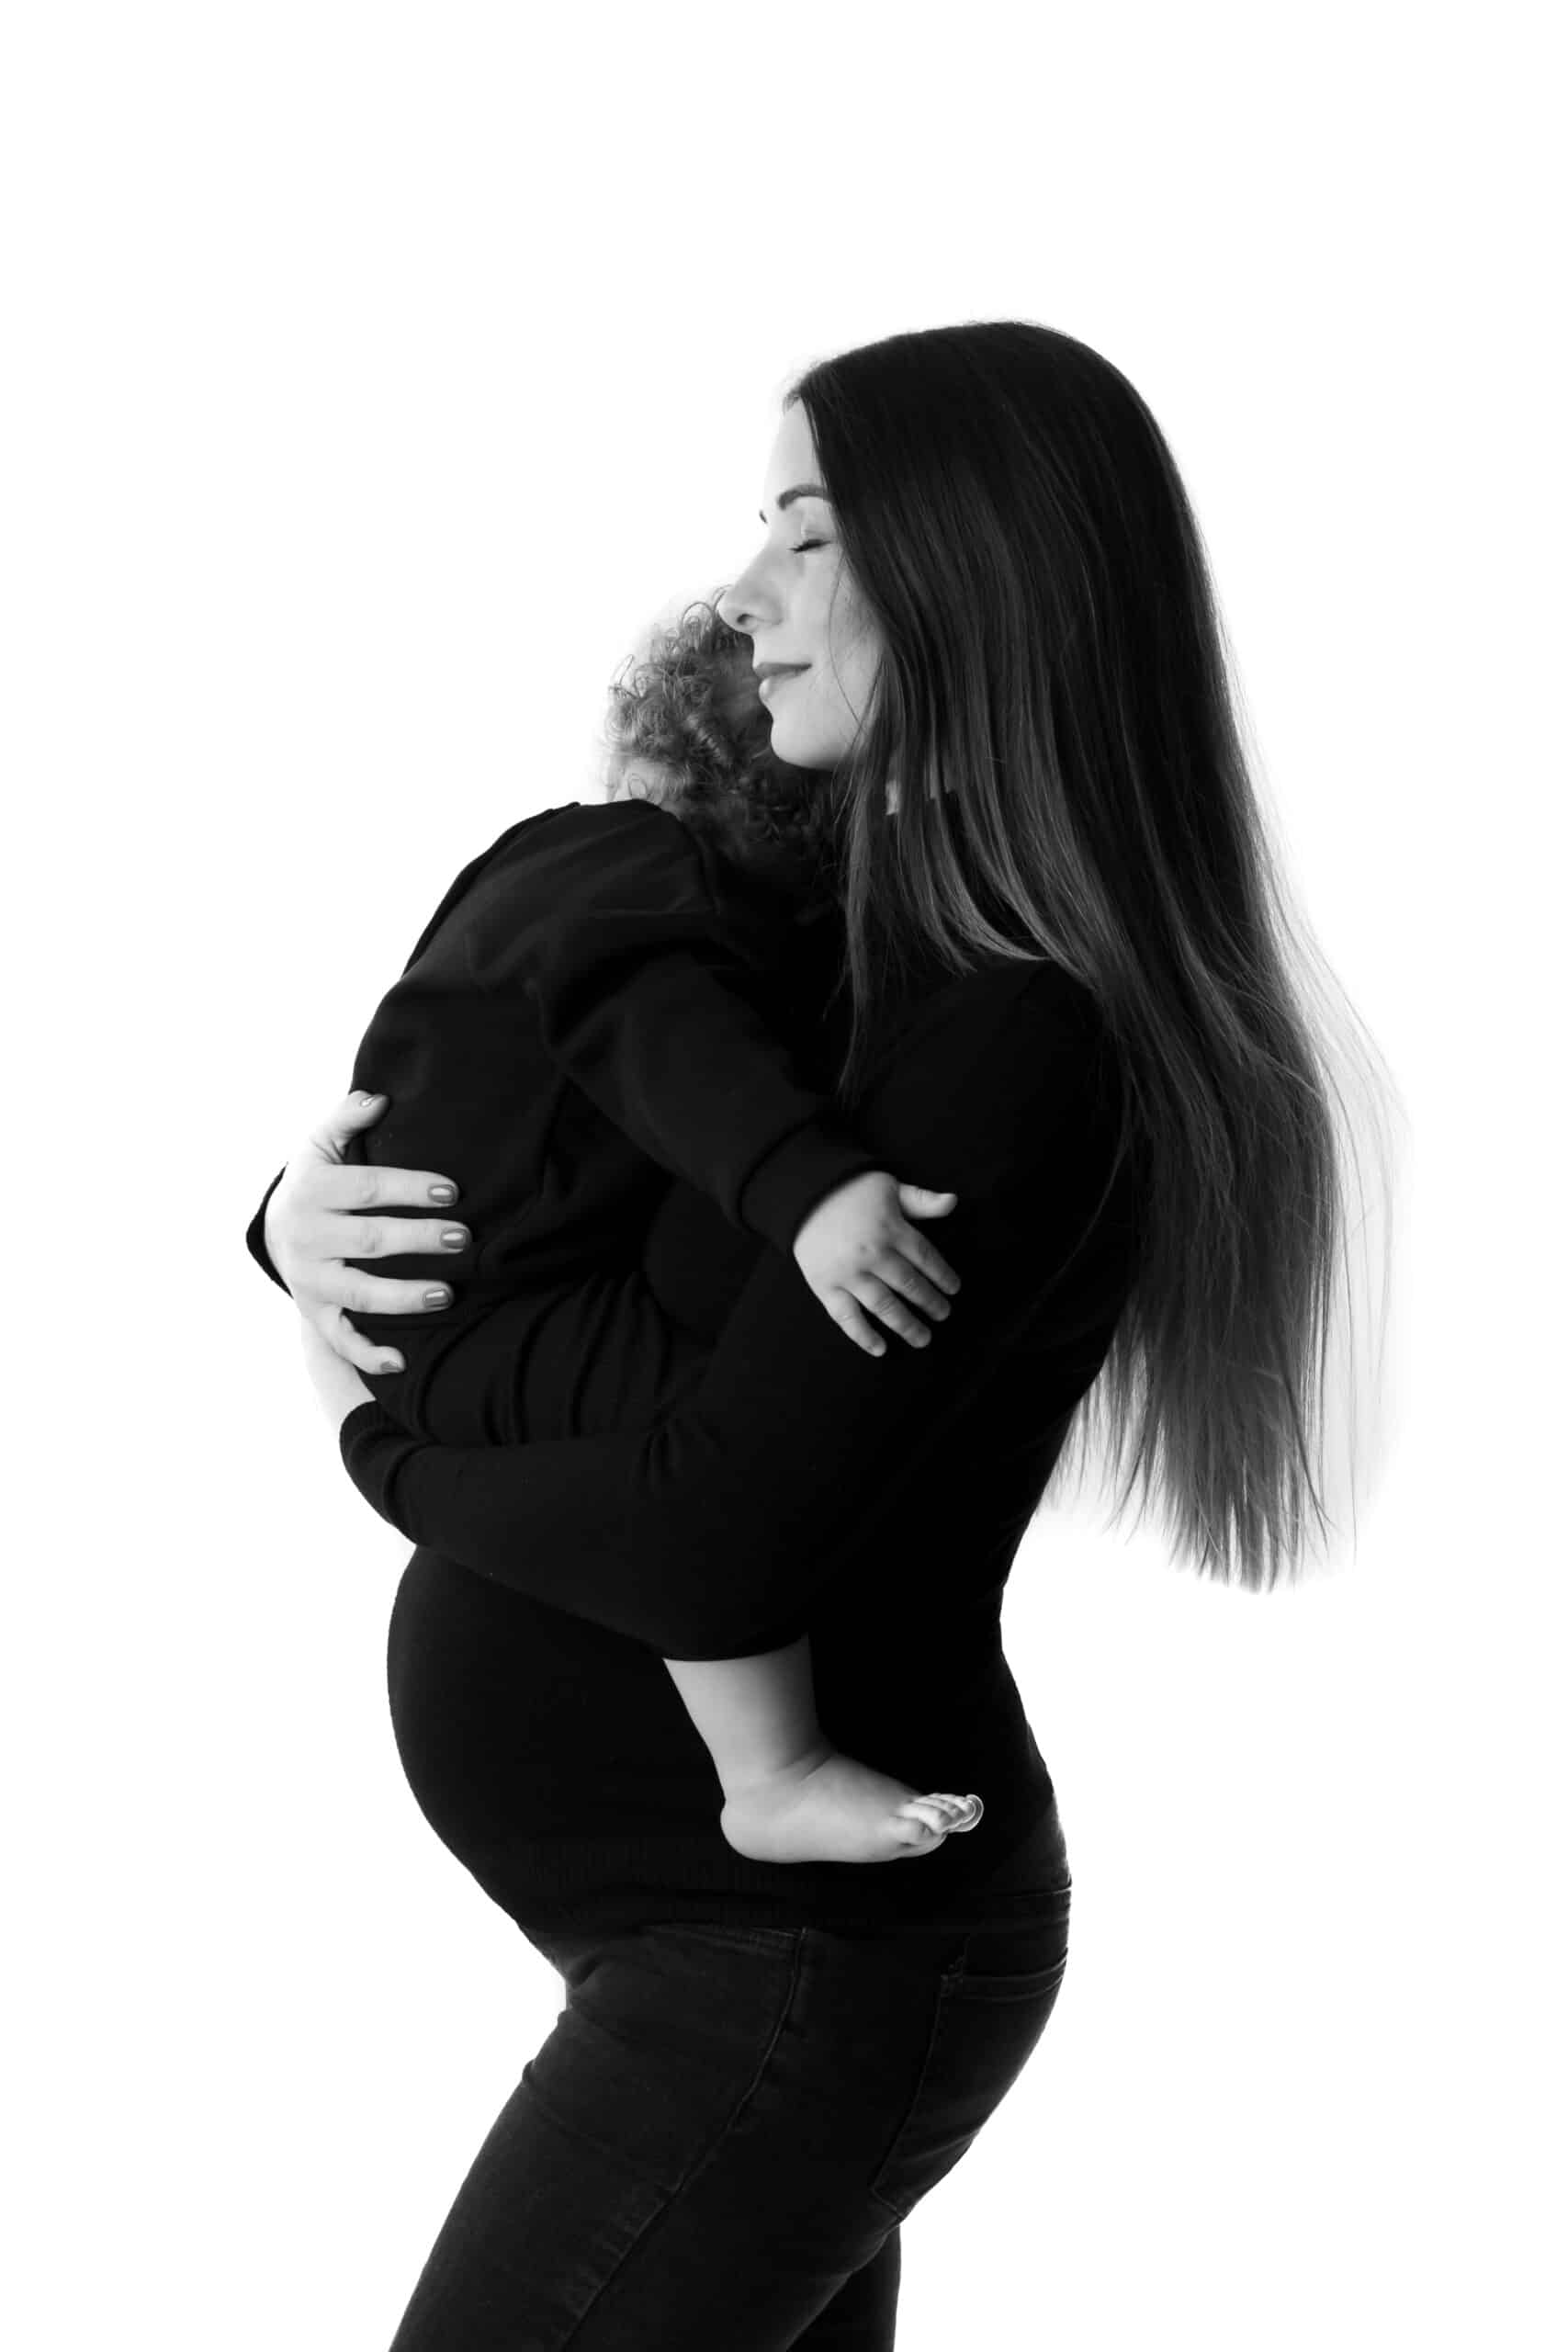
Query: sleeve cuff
[(255, 1241), (369, 1419), (785, 1187)]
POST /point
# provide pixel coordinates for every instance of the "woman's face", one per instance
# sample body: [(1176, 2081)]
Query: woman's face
[(798, 603)]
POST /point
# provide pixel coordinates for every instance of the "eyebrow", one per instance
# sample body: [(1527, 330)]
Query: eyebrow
[(787, 497)]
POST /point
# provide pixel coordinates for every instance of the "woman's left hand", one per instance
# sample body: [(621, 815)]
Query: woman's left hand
[(335, 1381)]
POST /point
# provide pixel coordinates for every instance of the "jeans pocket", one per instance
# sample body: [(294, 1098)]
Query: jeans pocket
[(731, 1936), (987, 2019)]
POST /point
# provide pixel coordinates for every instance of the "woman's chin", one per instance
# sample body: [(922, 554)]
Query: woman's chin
[(798, 748)]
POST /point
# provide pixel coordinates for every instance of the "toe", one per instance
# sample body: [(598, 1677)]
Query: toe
[(927, 1811)]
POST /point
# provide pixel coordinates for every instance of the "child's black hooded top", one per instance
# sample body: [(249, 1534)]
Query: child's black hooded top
[(579, 1021), (796, 1484)]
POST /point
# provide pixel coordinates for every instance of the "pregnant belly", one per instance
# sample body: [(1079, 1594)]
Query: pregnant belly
[(515, 1721)]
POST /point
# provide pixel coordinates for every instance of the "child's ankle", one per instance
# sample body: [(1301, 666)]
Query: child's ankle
[(780, 1772)]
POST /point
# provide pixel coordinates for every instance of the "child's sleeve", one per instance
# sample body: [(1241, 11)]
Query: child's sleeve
[(708, 1534), (643, 981)]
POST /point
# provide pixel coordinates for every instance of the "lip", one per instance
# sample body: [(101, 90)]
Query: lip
[(772, 672)]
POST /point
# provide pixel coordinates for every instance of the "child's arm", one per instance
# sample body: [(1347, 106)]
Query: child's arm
[(712, 1533), (644, 981), (641, 978), (857, 1249)]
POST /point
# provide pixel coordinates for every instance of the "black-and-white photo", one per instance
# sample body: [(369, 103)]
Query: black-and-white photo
[(784, 836)]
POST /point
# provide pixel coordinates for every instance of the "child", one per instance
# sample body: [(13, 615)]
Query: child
[(580, 1011)]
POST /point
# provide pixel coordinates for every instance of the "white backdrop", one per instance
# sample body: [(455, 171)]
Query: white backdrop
[(375, 374)]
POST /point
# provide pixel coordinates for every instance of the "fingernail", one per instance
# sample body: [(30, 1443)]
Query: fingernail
[(437, 1297), (444, 1195)]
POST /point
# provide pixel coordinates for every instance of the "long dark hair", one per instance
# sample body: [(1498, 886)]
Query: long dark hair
[(1052, 699)]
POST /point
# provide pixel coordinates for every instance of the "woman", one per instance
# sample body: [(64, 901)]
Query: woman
[(1068, 1003)]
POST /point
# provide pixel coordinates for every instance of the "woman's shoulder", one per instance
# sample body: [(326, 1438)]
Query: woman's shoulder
[(994, 1077), (1006, 1033), (1021, 992)]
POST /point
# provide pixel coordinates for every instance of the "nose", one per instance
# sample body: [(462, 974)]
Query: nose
[(741, 606), (735, 614)]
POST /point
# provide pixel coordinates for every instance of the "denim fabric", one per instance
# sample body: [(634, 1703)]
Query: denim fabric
[(713, 2149)]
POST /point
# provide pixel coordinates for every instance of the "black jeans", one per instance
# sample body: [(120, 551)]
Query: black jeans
[(713, 2147)]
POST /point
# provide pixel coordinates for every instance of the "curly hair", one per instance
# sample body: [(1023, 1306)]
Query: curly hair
[(689, 707)]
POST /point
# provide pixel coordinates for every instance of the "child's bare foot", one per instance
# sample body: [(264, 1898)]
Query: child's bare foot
[(829, 1808)]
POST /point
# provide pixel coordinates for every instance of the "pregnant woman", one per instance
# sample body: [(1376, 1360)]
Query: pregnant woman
[(1055, 987)]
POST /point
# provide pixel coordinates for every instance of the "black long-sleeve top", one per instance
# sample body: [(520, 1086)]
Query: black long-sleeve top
[(585, 1014), (795, 1484)]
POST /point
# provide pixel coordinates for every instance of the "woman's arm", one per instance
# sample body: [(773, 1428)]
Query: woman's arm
[(319, 1211), (639, 953), (708, 1534)]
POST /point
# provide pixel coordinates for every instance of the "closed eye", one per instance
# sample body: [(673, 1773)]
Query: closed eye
[(801, 546)]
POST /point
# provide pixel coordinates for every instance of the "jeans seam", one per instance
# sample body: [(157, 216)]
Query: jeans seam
[(945, 1986), (708, 2153)]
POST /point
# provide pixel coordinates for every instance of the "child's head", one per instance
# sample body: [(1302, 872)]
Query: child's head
[(688, 728)]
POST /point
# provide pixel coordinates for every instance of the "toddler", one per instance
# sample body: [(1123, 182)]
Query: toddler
[(585, 1010)]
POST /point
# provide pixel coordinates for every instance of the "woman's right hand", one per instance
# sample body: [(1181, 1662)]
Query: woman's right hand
[(322, 1214)]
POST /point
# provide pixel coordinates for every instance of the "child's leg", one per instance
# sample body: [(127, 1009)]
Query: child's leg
[(573, 1359), (790, 1795), (596, 1356)]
